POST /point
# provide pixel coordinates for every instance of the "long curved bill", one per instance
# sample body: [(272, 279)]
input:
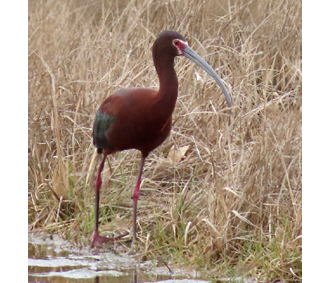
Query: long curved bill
[(193, 56)]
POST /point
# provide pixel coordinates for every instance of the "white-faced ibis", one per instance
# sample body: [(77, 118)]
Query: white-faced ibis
[(141, 118)]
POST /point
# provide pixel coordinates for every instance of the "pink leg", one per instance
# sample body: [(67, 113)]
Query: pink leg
[(135, 198), (98, 240)]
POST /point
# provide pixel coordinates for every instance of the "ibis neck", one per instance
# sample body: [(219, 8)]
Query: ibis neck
[(168, 83)]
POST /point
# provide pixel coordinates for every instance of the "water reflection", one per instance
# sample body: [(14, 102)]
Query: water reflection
[(54, 260)]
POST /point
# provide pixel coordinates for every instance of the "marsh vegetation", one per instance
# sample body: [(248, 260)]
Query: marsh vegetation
[(232, 202)]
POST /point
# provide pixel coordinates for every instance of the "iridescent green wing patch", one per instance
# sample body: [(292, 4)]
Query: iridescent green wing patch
[(101, 126)]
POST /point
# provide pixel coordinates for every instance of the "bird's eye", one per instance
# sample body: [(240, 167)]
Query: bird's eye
[(180, 44)]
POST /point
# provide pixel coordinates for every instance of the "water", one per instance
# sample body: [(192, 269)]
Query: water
[(51, 259)]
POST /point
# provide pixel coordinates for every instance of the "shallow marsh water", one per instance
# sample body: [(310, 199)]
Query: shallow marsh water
[(51, 259)]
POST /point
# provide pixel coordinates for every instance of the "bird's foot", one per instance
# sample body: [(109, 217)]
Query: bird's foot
[(98, 240), (135, 246)]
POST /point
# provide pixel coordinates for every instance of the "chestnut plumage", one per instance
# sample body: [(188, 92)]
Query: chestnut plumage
[(141, 118)]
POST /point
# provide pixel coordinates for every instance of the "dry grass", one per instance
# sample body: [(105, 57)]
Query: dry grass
[(233, 204)]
